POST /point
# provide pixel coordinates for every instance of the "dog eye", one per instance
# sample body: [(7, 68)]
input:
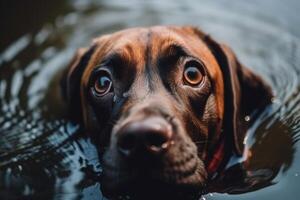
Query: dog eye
[(103, 84), (192, 74)]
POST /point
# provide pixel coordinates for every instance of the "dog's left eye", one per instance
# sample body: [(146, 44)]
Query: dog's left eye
[(192, 75), (103, 84)]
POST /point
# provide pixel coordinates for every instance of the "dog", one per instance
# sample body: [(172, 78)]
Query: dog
[(165, 106)]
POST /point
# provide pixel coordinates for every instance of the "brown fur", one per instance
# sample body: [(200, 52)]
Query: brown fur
[(147, 82)]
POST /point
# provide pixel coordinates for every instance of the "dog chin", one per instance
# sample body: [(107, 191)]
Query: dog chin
[(183, 181)]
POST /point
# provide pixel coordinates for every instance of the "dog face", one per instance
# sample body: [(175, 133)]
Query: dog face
[(164, 105)]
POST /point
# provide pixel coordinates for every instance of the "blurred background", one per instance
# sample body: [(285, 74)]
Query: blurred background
[(44, 156)]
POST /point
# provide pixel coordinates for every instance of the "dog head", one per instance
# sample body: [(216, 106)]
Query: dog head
[(164, 105)]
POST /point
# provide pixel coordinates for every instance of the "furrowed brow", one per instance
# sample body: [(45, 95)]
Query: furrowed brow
[(176, 50), (118, 63), (172, 54), (112, 59)]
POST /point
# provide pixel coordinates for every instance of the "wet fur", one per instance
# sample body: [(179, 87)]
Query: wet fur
[(147, 70)]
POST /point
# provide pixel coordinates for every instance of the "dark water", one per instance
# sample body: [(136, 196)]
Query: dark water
[(45, 156)]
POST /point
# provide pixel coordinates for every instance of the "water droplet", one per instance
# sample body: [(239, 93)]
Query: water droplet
[(20, 167), (247, 118)]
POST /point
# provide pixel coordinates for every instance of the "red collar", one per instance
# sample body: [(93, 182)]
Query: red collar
[(215, 161)]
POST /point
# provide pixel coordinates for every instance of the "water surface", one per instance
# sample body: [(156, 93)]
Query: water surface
[(45, 156)]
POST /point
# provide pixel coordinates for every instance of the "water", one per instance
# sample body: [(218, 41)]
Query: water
[(45, 156)]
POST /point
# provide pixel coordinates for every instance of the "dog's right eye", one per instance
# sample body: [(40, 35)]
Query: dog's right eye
[(103, 84), (192, 74)]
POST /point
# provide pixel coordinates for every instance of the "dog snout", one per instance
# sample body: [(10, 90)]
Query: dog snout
[(151, 135)]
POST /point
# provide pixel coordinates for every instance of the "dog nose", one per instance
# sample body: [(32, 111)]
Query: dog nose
[(153, 135)]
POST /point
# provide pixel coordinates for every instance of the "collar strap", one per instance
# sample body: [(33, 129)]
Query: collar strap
[(216, 159)]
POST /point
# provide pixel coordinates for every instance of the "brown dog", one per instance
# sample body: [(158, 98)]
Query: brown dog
[(164, 105)]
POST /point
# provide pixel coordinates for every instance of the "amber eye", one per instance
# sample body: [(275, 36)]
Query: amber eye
[(192, 75), (103, 84)]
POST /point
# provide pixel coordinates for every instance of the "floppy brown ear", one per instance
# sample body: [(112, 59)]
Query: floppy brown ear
[(72, 78), (245, 92)]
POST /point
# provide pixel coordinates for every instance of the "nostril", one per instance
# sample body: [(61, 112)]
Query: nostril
[(127, 143), (157, 141)]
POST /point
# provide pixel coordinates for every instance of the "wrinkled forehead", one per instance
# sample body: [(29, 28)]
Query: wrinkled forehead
[(154, 41), (140, 46)]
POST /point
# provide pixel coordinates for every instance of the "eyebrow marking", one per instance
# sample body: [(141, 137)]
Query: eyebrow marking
[(112, 59), (172, 54), (116, 61), (120, 64), (176, 50)]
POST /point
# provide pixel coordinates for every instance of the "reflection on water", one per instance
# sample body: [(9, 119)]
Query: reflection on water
[(45, 156)]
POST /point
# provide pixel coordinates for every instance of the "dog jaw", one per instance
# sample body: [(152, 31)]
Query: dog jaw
[(178, 168)]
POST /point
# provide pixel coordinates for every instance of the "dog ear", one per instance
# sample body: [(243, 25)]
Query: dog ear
[(71, 80), (245, 92)]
